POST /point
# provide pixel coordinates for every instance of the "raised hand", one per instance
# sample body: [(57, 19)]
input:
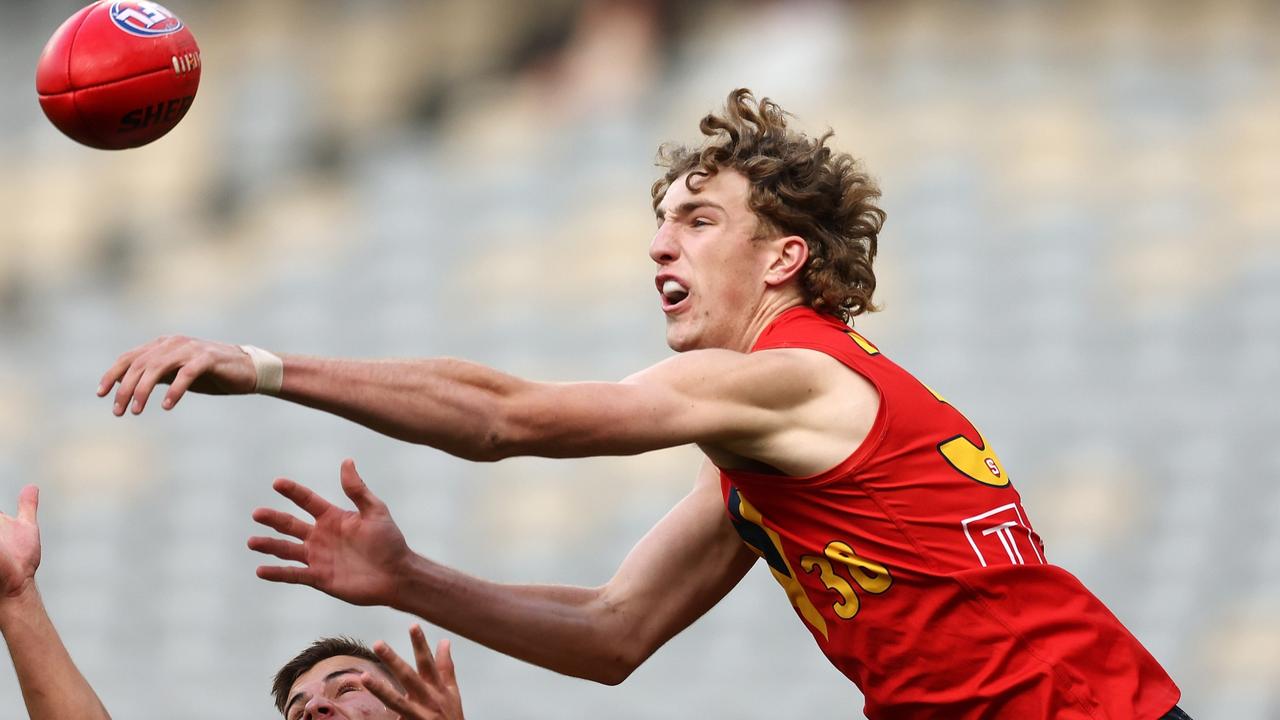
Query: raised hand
[(185, 364), (430, 692), (20, 545), (52, 687), (353, 556)]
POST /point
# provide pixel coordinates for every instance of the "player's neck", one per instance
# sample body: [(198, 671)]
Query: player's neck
[(770, 307)]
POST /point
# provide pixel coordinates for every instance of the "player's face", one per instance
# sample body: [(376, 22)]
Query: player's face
[(331, 690), (710, 270)]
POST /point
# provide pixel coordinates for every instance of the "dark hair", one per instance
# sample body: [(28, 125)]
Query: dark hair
[(322, 649), (799, 186)]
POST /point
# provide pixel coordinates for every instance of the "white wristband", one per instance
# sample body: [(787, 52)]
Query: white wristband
[(269, 369)]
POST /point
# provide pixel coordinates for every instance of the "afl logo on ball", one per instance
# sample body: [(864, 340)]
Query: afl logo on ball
[(144, 18)]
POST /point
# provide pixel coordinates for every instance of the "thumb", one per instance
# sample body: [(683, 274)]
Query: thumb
[(360, 494), (28, 502)]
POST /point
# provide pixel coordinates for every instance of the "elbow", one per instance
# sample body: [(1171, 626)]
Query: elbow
[(491, 446), (509, 431), (612, 679), (490, 437), (614, 670), (626, 647), (496, 442)]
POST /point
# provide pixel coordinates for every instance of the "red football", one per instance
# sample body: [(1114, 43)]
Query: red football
[(118, 74)]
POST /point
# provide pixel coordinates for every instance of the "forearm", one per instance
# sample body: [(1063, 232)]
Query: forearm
[(679, 570), (448, 404), (52, 686), (570, 630), (477, 413)]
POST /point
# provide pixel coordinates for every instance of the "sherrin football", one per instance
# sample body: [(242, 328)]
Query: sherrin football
[(118, 75)]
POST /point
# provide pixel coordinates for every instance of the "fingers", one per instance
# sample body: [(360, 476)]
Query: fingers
[(125, 391), (181, 383), (422, 654), (284, 574), (303, 497), (138, 371), (28, 502), (147, 382), (282, 522), (118, 368), (426, 694), (283, 549), (444, 663), (416, 686), (359, 493), (387, 693), (398, 667), (181, 362)]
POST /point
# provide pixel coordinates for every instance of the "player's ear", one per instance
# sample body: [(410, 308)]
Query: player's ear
[(790, 253)]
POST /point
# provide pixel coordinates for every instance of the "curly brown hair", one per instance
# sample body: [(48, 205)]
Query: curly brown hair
[(799, 186)]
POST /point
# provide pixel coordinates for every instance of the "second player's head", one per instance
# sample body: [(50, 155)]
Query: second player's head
[(323, 681), (757, 218)]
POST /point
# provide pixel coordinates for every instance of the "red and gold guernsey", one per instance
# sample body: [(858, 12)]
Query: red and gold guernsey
[(917, 570)]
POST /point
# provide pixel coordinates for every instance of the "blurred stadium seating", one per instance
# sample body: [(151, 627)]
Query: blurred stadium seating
[(1083, 252)]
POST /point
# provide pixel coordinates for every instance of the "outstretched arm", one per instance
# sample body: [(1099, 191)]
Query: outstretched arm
[(727, 399), (52, 687), (677, 572)]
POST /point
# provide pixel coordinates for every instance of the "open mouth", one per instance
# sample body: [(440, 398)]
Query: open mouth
[(673, 295)]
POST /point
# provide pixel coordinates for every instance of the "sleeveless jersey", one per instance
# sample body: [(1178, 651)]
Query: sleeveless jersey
[(917, 570)]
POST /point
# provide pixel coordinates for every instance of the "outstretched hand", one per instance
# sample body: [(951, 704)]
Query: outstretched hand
[(20, 545), (430, 692), (185, 364), (353, 556)]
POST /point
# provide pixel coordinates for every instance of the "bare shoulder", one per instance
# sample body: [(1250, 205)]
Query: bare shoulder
[(830, 409), (827, 394), (778, 379), (795, 410), (820, 371)]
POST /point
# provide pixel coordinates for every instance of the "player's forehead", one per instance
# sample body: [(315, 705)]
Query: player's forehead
[(316, 674), (727, 189)]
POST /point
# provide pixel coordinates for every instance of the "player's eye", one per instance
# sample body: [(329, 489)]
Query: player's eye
[(348, 687), (700, 222)]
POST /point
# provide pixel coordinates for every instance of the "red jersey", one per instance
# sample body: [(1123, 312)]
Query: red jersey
[(914, 565)]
